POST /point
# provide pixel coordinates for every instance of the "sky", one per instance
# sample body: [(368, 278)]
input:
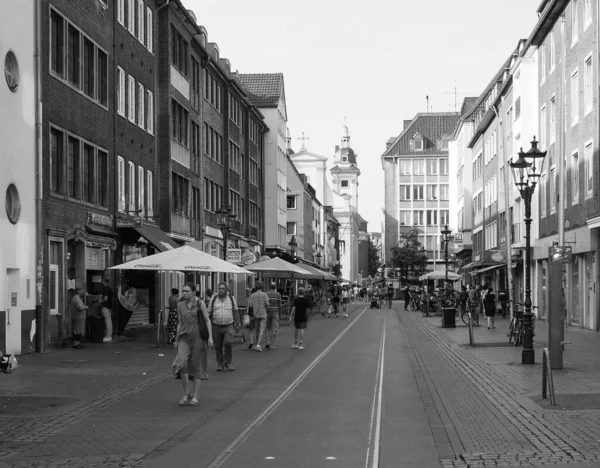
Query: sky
[(372, 63)]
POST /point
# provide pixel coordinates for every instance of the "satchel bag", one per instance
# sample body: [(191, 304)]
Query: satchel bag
[(202, 326)]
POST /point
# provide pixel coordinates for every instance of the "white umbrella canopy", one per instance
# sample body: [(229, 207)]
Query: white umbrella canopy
[(440, 274), (277, 268), (182, 259)]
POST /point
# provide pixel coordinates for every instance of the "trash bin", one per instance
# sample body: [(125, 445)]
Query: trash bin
[(448, 317)]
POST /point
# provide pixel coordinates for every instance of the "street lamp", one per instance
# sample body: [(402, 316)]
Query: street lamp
[(319, 257), (527, 170), (293, 245), (446, 237), (224, 219)]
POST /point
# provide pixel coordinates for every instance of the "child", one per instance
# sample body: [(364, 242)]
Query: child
[(299, 315)]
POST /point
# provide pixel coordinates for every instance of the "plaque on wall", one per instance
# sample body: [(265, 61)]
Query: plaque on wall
[(95, 258)]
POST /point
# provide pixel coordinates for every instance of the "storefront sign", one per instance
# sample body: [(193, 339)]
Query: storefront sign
[(560, 254), (94, 259), (135, 222), (234, 255), (497, 257), (101, 220), (248, 258)]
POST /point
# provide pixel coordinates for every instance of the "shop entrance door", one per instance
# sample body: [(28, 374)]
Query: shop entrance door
[(13, 310)]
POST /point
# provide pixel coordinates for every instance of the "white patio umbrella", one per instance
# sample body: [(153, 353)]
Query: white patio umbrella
[(278, 268), (440, 274), (182, 259)]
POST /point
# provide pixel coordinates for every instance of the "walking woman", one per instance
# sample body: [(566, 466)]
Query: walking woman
[(172, 320), (345, 300), (191, 361), (489, 306), (78, 314)]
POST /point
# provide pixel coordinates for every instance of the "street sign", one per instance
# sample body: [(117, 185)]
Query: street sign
[(560, 254), (234, 256)]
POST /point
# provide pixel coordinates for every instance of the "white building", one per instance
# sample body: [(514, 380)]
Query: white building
[(267, 92), (17, 177)]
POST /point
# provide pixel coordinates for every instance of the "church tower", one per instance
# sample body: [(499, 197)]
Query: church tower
[(345, 172)]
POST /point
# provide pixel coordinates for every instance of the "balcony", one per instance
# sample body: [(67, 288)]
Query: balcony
[(180, 82), (180, 153), (180, 224)]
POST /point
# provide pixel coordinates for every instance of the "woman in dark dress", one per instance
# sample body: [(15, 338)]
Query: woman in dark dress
[(489, 306), (172, 320)]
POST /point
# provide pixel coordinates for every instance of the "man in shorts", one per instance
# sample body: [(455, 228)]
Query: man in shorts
[(273, 312), (299, 316)]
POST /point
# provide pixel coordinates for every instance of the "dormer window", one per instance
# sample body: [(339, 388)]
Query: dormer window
[(442, 143), (418, 144), (344, 184), (345, 159)]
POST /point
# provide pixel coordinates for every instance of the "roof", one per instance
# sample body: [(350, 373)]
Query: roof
[(431, 126), (264, 89)]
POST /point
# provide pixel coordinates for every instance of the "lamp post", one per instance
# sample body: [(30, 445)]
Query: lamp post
[(446, 236), (527, 170), (319, 256), (293, 245), (224, 219)]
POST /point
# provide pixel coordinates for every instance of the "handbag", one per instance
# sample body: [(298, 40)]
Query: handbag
[(246, 321), (202, 326)]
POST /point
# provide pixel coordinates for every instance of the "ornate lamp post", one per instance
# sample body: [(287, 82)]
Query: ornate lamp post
[(527, 170), (446, 232), (293, 245), (224, 219), (319, 256)]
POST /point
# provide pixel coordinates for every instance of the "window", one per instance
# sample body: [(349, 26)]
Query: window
[(418, 166), (444, 192), (141, 21), (291, 228), (588, 84), (150, 193), (121, 12), (574, 21), (180, 194), (405, 218), (589, 168), (418, 192), (404, 192), (88, 67), (179, 115), (552, 189), (121, 183), (405, 166), (150, 112), (444, 217), (418, 218), (432, 168), (57, 45), (575, 175), (131, 98), (517, 108), (587, 13), (179, 51), (149, 30), (432, 192), (543, 182), (552, 119), (121, 91), (574, 97), (89, 174), (102, 177), (543, 129), (131, 16), (235, 158), (212, 90), (291, 202), (73, 55), (552, 52), (418, 143), (57, 161), (432, 218), (543, 62), (73, 168), (131, 187), (344, 183), (444, 166), (141, 182), (141, 105)]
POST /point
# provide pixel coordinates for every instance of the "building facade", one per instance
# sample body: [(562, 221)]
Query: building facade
[(19, 95)]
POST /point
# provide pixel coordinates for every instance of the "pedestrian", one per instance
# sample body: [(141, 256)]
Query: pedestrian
[(345, 300), (192, 340), (299, 316), (78, 315), (503, 300), (222, 312), (489, 306), (172, 318), (249, 320), (259, 301), (406, 297), (355, 293), (273, 314), (107, 302), (208, 295)]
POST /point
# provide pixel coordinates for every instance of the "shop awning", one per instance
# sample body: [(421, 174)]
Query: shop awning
[(490, 268), (157, 237)]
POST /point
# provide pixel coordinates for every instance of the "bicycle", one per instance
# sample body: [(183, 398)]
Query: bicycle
[(516, 329), (474, 315)]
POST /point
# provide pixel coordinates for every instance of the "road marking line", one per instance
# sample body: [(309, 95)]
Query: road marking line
[(376, 409), (233, 446)]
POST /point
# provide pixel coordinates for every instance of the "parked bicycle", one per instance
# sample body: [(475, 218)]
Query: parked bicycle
[(464, 316), (516, 329)]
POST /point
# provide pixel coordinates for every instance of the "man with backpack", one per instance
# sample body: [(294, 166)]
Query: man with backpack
[(222, 311)]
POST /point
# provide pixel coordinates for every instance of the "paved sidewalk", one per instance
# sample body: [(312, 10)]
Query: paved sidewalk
[(494, 407)]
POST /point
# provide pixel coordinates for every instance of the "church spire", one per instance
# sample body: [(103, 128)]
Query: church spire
[(345, 136)]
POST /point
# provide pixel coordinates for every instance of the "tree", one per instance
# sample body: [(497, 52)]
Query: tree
[(408, 256), (374, 258)]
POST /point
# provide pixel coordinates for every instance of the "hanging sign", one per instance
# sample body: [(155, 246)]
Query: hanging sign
[(234, 255)]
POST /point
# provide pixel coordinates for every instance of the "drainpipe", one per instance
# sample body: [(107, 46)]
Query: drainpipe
[(508, 237), (41, 316)]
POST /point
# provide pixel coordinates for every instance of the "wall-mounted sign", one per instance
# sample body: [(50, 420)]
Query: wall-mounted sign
[(497, 257), (234, 255), (248, 258), (131, 222), (101, 220), (13, 299)]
